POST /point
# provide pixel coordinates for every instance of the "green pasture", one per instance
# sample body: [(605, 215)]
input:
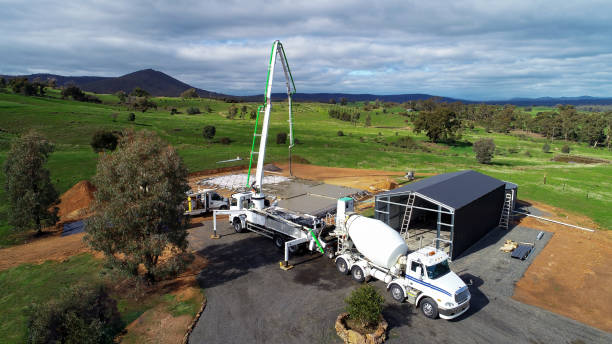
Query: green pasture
[(519, 158)]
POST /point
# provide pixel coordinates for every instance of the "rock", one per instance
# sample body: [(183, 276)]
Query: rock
[(353, 337)]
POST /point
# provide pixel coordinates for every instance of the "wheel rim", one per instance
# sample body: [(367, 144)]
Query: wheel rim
[(237, 226), (342, 266), (358, 273), (427, 309), (396, 292)]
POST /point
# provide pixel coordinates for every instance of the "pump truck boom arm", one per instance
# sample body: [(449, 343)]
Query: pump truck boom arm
[(277, 51)]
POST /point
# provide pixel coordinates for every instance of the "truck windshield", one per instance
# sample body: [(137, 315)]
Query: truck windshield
[(438, 270)]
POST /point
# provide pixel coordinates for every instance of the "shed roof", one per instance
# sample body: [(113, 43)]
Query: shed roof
[(455, 189)]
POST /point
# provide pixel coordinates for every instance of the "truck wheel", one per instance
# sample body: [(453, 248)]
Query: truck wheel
[(342, 266), (279, 242), (429, 308), (397, 293), (295, 249), (329, 252), (358, 274), (238, 226)]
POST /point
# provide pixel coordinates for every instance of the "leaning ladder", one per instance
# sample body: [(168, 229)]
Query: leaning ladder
[(504, 221), (407, 215)]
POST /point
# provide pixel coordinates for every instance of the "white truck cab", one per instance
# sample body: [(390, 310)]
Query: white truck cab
[(440, 291), (203, 201)]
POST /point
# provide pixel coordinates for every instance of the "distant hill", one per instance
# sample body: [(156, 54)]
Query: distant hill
[(155, 82), (160, 84)]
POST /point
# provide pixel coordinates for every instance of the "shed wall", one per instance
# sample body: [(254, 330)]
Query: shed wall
[(476, 219)]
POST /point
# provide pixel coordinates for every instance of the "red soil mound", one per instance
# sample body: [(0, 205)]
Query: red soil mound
[(76, 201)]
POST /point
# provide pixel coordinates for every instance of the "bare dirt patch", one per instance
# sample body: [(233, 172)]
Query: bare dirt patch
[(39, 251), (577, 159), (571, 274)]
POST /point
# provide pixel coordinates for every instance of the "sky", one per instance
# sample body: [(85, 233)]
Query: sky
[(477, 50)]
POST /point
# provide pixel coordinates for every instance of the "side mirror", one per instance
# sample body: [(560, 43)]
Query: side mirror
[(419, 272)]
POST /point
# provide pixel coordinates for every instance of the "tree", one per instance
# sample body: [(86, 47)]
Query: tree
[(568, 120), (28, 183), (546, 148), (232, 112), (190, 93), (2, 82), (81, 314), (193, 110), (137, 207), (209, 132), (502, 120), (332, 101), (131, 117), (368, 121), (440, 124), (121, 95), (484, 149), (281, 138), (104, 140), (364, 305), (139, 92), (565, 149), (343, 101)]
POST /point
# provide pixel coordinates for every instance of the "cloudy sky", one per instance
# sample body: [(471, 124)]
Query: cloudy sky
[(477, 49)]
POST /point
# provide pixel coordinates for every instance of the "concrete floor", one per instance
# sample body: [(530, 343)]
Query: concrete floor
[(251, 300)]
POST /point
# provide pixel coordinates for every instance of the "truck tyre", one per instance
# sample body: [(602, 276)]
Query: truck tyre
[(342, 266), (429, 308), (279, 242), (397, 293), (238, 225), (358, 274)]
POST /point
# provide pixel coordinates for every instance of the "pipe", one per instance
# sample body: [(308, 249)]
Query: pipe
[(558, 222)]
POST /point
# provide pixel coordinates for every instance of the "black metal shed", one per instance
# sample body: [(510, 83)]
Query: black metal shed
[(465, 205)]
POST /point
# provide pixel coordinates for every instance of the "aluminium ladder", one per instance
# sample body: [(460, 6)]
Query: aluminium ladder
[(504, 221), (407, 215)]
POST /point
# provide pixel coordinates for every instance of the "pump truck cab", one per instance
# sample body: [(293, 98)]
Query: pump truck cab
[(368, 248)]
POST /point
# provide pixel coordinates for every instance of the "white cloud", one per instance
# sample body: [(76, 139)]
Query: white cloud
[(469, 49)]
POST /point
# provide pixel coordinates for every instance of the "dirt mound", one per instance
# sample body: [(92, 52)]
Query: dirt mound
[(385, 185), (577, 159), (75, 202), (567, 276)]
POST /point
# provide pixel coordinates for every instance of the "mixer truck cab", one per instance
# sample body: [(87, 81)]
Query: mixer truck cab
[(439, 291)]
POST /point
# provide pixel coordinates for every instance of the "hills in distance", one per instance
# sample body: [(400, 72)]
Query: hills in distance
[(160, 84)]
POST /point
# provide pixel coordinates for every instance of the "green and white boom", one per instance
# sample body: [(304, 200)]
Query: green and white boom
[(277, 51)]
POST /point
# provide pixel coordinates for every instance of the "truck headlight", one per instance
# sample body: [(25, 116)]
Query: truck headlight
[(449, 305)]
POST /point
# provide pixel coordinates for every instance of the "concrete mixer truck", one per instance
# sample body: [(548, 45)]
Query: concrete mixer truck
[(368, 248)]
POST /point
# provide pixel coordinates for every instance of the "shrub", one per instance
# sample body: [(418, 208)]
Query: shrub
[(225, 140), (484, 149), (565, 149), (364, 305), (513, 150), (103, 140), (174, 111), (209, 132), (340, 133), (546, 148), (193, 111), (281, 138), (82, 314), (190, 93), (131, 117), (406, 142)]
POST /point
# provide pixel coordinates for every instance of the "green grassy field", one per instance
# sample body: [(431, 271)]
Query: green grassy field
[(71, 124)]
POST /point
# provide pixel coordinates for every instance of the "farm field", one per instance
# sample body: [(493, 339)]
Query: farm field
[(578, 188)]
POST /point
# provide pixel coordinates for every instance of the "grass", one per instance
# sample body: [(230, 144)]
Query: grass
[(30, 283), (71, 124)]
